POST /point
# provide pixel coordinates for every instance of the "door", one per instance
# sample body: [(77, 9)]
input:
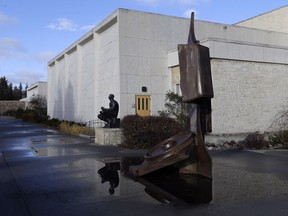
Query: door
[(143, 105)]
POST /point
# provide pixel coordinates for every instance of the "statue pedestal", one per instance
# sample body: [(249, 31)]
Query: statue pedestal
[(108, 136)]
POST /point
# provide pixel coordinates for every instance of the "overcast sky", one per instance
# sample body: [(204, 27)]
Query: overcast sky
[(32, 32)]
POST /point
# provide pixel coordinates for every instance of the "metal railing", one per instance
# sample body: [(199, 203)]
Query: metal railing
[(95, 123)]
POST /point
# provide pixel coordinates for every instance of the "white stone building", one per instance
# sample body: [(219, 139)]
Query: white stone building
[(38, 88), (133, 55)]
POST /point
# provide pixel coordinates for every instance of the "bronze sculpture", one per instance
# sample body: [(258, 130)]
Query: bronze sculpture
[(197, 89), (109, 115), (187, 150)]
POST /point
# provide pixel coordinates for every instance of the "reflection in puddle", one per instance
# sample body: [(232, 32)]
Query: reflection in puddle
[(166, 185), (169, 186), (110, 173), (109, 180), (36, 131), (57, 151), (49, 140)]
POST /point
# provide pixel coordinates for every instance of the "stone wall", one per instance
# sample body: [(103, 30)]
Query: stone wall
[(10, 105), (247, 95)]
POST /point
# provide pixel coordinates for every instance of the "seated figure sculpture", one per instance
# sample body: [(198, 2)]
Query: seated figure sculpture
[(109, 115)]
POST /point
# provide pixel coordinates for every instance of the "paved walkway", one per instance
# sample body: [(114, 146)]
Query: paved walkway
[(47, 173)]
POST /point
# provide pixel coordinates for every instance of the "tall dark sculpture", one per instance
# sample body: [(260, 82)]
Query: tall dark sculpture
[(197, 89), (187, 150), (109, 115)]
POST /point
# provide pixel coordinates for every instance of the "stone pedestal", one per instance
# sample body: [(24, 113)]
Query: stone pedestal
[(108, 136)]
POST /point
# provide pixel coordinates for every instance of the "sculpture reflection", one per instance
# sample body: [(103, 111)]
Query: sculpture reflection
[(169, 186), (110, 173)]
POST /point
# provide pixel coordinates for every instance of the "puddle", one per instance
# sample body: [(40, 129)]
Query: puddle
[(51, 147), (57, 151), (109, 179), (54, 140), (27, 132), (4, 124), (165, 185)]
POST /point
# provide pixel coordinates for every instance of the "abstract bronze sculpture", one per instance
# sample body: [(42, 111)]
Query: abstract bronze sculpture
[(187, 150), (109, 115), (197, 89)]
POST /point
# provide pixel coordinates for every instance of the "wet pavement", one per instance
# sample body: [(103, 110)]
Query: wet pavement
[(43, 172)]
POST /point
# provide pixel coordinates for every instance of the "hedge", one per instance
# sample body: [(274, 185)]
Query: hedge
[(145, 132)]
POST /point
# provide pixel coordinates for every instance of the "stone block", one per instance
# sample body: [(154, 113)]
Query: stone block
[(108, 136)]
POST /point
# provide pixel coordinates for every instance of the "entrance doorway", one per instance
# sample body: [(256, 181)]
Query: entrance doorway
[(143, 105)]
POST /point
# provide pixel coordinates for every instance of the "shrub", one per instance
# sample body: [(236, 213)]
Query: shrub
[(55, 123), (36, 111), (39, 104), (255, 141), (29, 116), (280, 124), (145, 132), (15, 113), (280, 137), (177, 109)]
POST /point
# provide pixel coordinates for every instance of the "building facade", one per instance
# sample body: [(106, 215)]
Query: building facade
[(134, 55), (37, 89)]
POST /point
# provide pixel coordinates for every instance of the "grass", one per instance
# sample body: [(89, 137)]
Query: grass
[(75, 129)]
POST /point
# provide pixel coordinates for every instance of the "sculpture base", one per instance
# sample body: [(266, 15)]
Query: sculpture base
[(114, 124), (108, 136), (184, 151)]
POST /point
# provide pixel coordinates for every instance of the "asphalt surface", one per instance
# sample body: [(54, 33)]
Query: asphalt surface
[(43, 172)]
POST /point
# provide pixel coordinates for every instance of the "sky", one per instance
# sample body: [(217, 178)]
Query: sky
[(32, 32)]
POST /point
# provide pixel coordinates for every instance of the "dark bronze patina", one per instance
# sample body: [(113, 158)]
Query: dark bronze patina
[(195, 69), (197, 89), (187, 150), (109, 115)]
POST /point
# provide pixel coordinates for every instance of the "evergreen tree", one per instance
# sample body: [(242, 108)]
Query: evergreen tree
[(20, 86), (25, 91), (4, 90), (20, 91), (7, 92), (10, 92), (17, 93)]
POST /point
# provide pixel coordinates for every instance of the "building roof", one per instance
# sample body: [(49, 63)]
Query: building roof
[(275, 20), (256, 30), (35, 85)]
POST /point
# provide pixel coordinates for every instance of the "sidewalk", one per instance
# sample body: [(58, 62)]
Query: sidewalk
[(46, 173)]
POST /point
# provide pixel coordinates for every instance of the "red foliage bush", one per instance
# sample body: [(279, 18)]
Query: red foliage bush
[(255, 141), (145, 132)]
